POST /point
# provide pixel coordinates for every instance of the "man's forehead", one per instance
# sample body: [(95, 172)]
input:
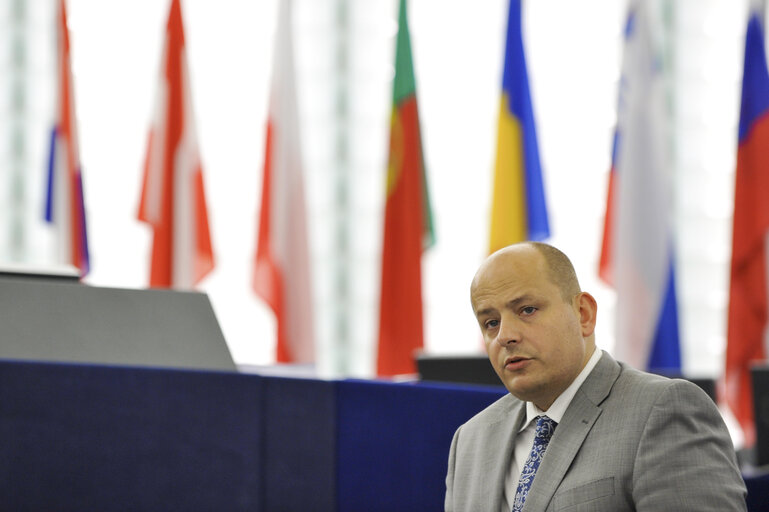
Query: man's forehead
[(508, 285), (510, 266)]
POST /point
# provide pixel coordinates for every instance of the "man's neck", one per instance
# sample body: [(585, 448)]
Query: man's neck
[(559, 404)]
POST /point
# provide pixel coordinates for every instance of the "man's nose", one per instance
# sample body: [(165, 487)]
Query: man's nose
[(509, 333)]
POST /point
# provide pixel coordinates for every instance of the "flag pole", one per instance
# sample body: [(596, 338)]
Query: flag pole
[(16, 242), (338, 359)]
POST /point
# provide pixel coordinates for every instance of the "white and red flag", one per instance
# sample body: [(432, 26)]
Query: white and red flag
[(64, 206), (173, 200), (282, 264)]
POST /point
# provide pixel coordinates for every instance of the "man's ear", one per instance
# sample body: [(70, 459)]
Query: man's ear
[(587, 308)]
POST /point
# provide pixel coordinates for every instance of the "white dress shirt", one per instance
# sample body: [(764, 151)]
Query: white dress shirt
[(525, 438)]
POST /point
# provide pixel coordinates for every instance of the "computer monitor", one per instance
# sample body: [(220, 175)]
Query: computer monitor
[(465, 369), (59, 320)]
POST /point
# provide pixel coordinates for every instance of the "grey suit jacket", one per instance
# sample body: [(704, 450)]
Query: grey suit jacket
[(628, 441)]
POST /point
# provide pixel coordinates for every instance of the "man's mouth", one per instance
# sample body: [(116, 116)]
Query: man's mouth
[(516, 362)]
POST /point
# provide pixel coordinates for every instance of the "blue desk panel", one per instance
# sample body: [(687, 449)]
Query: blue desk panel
[(299, 444), (80, 438), (394, 442)]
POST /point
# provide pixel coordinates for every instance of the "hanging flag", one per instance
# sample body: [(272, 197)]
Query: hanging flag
[(518, 209), (637, 256), (407, 222), (606, 258), (64, 205), (747, 321), (173, 200), (282, 264)]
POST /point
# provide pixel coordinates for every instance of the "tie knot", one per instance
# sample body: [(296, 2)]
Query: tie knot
[(545, 428)]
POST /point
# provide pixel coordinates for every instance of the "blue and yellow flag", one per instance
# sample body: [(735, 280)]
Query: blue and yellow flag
[(518, 210)]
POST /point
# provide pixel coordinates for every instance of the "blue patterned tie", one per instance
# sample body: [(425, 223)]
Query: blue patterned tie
[(542, 435)]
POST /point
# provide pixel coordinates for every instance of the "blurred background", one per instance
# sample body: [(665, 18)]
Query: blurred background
[(344, 67)]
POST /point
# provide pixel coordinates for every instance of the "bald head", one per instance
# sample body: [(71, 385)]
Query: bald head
[(538, 327), (555, 264)]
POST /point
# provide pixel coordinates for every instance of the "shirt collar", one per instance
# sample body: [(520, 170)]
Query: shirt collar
[(559, 406)]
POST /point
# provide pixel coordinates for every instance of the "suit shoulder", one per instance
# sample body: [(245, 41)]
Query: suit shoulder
[(651, 386)]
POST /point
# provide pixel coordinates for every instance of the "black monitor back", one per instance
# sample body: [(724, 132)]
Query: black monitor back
[(760, 378), (465, 369)]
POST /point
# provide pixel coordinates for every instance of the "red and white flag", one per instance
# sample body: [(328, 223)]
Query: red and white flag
[(64, 206), (748, 295), (282, 263), (173, 201)]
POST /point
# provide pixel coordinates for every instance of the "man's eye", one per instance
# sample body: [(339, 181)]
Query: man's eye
[(528, 310), (491, 324)]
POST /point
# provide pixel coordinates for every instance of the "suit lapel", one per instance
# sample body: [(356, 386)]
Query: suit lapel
[(577, 421), (498, 452)]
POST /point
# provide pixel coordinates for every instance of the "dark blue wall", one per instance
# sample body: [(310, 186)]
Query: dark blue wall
[(84, 437)]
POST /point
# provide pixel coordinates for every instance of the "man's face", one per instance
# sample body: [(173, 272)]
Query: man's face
[(537, 342)]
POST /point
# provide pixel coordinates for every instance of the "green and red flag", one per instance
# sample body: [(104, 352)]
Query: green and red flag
[(408, 226)]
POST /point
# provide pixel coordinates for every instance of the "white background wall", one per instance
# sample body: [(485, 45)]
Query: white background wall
[(574, 56)]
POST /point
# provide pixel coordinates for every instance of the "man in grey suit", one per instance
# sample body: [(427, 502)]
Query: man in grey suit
[(578, 431)]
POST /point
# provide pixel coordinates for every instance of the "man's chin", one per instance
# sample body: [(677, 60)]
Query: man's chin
[(520, 390)]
